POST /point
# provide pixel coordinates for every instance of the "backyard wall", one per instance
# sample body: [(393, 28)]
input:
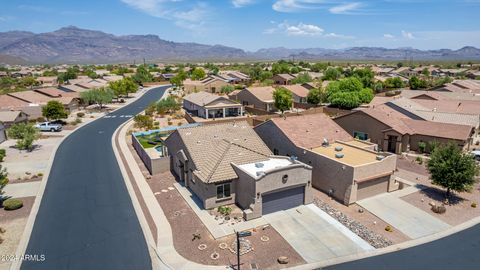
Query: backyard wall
[(154, 166)]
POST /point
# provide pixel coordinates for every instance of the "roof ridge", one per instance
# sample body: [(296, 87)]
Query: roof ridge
[(214, 169), (251, 150)]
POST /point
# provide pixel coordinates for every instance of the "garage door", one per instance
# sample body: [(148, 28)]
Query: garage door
[(372, 188), (283, 200)]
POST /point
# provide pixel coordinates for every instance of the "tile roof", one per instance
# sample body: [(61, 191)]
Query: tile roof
[(308, 131), (31, 96), (204, 99), (436, 129), (263, 93), (9, 116), (297, 89), (7, 102), (213, 148), (286, 76)]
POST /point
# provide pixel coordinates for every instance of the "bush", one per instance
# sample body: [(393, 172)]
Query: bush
[(419, 160), (3, 153), (39, 174), (439, 209), (12, 204), (224, 210), (388, 228), (422, 147), (80, 114), (474, 205)]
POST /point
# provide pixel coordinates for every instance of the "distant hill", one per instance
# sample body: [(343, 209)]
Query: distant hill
[(75, 45)]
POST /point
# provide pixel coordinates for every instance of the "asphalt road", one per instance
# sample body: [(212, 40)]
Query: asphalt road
[(86, 218), (457, 251)]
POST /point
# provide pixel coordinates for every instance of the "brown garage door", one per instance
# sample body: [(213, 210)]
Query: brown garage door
[(373, 187)]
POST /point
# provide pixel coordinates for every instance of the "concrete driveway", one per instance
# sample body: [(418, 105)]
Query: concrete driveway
[(411, 221), (315, 235)]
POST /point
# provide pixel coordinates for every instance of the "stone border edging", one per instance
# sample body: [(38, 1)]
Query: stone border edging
[(27, 231)]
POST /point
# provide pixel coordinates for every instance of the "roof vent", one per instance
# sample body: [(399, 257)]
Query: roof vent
[(379, 157), (260, 173), (259, 165), (325, 142), (339, 155), (293, 158), (338, 148)]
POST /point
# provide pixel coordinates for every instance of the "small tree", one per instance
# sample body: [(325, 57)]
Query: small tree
[(198, 74), (98, 96), (25, 134), (168, 104), (3, 182), (452, 169), (283, 99), (227, 89), (143, 121), (54, 110), (314, 96)]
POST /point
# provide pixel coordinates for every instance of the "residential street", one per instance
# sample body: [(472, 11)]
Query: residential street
[(457, 251), (86, 218)]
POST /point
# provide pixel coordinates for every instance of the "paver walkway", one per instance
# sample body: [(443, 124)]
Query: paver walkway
[(410, 220), (20, 190), (315, 235)]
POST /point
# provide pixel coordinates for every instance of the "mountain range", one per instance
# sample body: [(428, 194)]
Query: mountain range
[(75, 45)]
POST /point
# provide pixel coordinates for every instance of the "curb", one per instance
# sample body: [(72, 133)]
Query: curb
[(393, 248), (27, 231)]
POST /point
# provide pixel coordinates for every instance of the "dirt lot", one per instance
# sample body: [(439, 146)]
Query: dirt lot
[(185, 224)]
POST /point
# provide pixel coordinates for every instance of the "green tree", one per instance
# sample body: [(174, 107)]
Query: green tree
[(283, 99), (317, 67), (168, 105), (100, 96), (280, 68), (25, 134), (54, 110), (178, 79), (302, 78), (265, 75), (3, 182), (452, 169), (331, 74), (348, 93), (142, 75), (416, 83), (227, 89), (143, 121), (315, 96), (394, 83), (198, 74), (426, 72), (70, 74), (365, 75)]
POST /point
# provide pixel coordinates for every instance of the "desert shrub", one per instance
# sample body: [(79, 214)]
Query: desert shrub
[(3, 153), (388, 228), (419, 160), (80, 114), (12, 204), (170, 123), (422, 147), (224, 210), (39, 174), (439, 209), (474, 205)]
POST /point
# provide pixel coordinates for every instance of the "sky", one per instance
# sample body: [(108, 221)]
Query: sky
[(255, 24)]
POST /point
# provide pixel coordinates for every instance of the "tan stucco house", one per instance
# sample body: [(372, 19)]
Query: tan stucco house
[(257, 97), (211, 106), (228, 163), (345, 168)]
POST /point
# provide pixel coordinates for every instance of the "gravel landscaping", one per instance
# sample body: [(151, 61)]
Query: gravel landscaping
[(375, 240)]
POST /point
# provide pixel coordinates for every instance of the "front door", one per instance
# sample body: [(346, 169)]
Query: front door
[(392, 144)]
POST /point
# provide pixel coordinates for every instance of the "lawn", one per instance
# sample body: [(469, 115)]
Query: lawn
[(145, 140)]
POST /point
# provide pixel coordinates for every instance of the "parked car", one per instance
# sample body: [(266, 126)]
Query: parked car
[(476, 154), (48, 126)]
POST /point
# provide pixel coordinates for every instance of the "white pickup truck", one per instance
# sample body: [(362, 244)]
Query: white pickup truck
[(47, 126)]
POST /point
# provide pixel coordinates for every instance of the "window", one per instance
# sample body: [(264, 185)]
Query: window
[(360, 135), (275, 151), (223, 191)]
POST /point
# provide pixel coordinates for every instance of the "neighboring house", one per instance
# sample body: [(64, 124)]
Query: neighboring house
[(228, 163), (258, 97), (343, 167), (167, 76), (212, 84), (396, 133), (9, 118), (211, 106), (235, 76), (112, 78), (299, 93), (47, 81), (35, 98), (282, 79)]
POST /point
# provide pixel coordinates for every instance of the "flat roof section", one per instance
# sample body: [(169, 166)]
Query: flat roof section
[(257, 167), (360, 144), (351, 155)]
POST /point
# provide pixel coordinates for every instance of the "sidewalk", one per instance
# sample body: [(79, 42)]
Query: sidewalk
[(20, 190), (168, 256)]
